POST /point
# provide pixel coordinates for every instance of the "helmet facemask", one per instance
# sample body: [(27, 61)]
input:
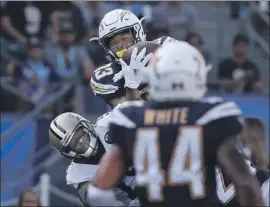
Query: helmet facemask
[(115, 51), (81, 142)]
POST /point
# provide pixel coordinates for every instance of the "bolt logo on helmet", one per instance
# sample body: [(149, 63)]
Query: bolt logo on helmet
[(73, 136)]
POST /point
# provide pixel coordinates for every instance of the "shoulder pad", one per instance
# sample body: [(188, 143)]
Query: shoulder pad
[(218, 111), (164, 40), (118, 117), (103, 119), (213, 100), (126, 104), (102, 128)]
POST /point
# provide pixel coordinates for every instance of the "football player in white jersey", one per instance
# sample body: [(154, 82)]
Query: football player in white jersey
[(75, 138), (119, 29)]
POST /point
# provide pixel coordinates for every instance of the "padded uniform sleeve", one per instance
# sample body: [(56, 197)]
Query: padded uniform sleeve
[(78, 173), (102, 128)]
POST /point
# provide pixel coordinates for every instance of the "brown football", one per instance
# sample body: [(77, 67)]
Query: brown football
[(149, 45)]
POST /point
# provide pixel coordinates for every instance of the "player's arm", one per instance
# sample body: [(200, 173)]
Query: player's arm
[(233, 164), (132, 94), (111, 170), (113, 164), (99, 191)]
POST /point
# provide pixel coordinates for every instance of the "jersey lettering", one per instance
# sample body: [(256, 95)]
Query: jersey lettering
[(185, 166)]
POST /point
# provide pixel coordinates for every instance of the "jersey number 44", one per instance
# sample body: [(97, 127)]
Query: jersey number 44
[(185, 165)]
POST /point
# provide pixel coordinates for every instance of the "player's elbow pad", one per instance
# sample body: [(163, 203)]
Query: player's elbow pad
[(98, 197)]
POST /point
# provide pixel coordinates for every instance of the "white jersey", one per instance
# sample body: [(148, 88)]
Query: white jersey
[(102, 128), (78, 173)]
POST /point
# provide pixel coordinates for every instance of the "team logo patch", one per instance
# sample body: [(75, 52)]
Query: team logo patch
[(107, 138)]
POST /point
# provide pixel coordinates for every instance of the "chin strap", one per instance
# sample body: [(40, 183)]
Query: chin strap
[(99, 197)]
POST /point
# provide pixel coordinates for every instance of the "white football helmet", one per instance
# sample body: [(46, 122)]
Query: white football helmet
[(116, 22), (177, 72), (73, 136)]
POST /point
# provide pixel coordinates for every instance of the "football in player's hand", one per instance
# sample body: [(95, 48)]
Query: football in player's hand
[(149, 45)]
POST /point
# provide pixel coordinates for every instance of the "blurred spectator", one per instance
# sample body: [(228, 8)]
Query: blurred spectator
[(21, 20), (179, 17), (135, 7), (70, 61), (67, 11), (197, 41), (29, 198), (254, 140), (238, 9), (92, 12), (154, 32), (97, 54), (67, 58), (238, 73), (34, 77)]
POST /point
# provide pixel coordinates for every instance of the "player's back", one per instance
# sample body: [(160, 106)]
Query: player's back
[(173, 149)]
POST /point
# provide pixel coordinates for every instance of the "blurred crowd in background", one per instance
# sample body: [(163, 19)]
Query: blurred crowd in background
[(45, 46)]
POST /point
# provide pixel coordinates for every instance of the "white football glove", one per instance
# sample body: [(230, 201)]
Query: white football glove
[(99, 197), (131, 72)]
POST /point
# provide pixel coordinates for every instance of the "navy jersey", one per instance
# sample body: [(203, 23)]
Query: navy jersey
[(173, 147), (226, 190), (102, 82), (103, 85)]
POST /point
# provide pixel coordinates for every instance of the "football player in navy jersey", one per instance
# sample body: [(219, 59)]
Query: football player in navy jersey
[(175, 141), (118, 30), (107, 84)]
